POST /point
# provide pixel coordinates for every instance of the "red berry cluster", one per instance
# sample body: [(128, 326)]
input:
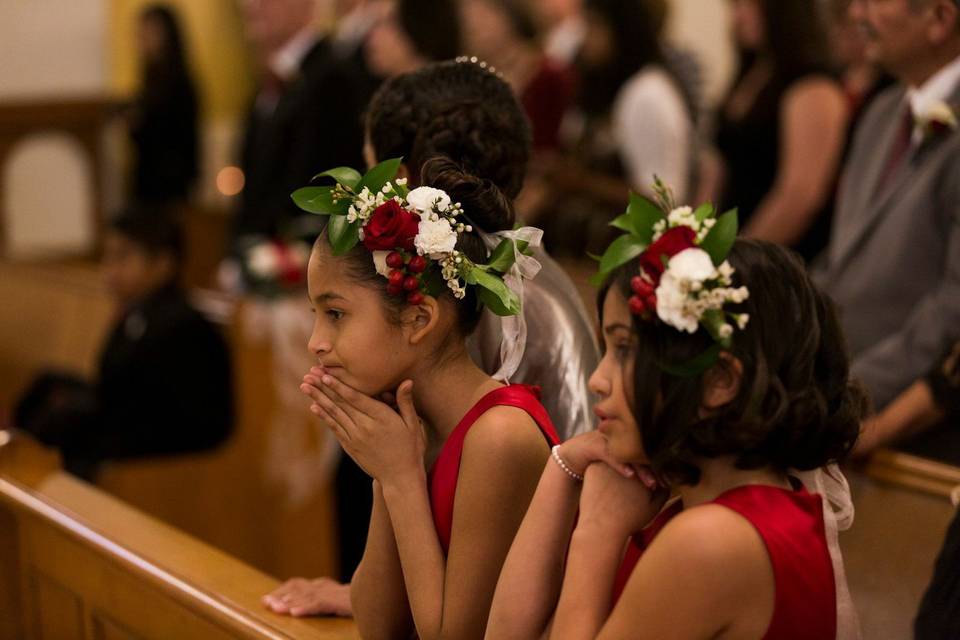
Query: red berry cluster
[(405, 275), (644, 300)]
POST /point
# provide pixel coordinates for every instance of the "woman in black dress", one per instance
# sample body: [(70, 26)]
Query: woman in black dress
[(782, 128), (163, 118)]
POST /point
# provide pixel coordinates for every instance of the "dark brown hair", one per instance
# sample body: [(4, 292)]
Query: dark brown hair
[(456, 110), (797, 406)]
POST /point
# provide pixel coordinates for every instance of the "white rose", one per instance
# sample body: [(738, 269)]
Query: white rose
[(262, 261), (435, 238), (425, 199), (692, 265), (380, 262)]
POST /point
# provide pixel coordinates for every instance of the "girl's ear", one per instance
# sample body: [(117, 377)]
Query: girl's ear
[(419, 321), (721, 383)]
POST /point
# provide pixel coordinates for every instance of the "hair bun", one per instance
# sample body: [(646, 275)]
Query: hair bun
[(483, 203)]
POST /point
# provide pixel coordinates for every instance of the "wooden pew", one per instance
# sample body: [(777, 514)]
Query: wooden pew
[(78, 563), (57, 315)]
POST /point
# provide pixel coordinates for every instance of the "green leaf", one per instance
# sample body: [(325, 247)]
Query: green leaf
[(624, 222), (344, 175), (317, 200), (621, 251), (343, 235), (597, 279), (644, 214), (380, 175), (695, 366), (703, 212), (503, 256), (720, 239), (495, 294)]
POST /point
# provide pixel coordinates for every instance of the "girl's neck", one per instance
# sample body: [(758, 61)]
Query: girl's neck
[(719, 475), (444, 393)]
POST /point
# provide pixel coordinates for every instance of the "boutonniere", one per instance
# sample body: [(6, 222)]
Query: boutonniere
[(939, 119)]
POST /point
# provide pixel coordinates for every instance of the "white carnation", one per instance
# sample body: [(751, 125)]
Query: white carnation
[(380, 262), (435, 238), (425, 199), (673, 304), (692, 265)]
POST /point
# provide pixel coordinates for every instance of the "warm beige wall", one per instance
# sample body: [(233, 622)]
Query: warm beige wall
[(52, 47)]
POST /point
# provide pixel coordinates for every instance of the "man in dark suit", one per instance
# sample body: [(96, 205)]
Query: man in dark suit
[(305, 117), (164, 380), (893, 264)]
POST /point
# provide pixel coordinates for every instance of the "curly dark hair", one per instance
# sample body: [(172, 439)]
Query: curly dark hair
[(797, 406), (487, 207), (456, 110)]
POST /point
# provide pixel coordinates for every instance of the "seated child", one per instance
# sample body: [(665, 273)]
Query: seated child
[(393, 312), (724, 370)]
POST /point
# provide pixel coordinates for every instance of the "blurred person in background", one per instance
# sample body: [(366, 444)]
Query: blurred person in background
[(561, 26), (163, 118), (305, 116), (632, 121), (782, 128), (411, 33), (893, 264), (862, 80), (163, 385), (503, 33)]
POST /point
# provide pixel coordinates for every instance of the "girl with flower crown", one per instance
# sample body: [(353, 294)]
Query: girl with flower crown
[(398, 282), (724, 372)]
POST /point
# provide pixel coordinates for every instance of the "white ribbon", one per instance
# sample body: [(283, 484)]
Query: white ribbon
[(514, 328), (838, 512)]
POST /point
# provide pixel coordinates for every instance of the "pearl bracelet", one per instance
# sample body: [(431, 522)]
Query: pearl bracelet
[(555, 454)]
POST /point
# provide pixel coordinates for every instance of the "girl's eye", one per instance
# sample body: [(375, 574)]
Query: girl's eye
[(622, 351), (334, 314)]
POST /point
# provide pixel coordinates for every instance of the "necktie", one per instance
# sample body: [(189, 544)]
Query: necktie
[(899, 149)]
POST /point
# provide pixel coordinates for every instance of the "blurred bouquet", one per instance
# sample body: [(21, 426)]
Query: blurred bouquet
[(273, 268)]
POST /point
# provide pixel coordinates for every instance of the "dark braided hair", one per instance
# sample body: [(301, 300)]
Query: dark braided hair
[(457, 110), (797, 406)]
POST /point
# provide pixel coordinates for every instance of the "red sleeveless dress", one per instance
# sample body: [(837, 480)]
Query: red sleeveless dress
[(445, 471), (791, 525)]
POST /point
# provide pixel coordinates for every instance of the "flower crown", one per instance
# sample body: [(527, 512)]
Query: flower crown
[(412, 235), (685, 279)]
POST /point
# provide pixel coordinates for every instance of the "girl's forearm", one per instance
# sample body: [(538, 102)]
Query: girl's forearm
[(532, 574), (418, 546), (377, 591), (585, 600)]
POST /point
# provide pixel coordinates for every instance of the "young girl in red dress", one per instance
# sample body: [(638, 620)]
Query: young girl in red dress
[(724, 369), (392, 314)]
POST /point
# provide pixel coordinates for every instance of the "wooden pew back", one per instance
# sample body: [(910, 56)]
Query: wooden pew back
[(77, 563)]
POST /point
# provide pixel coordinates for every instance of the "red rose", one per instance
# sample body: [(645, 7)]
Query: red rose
[(672, 242), (391, 227)]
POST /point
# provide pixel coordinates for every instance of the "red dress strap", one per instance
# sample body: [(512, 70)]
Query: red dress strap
[(791, 526), (446, 469)]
